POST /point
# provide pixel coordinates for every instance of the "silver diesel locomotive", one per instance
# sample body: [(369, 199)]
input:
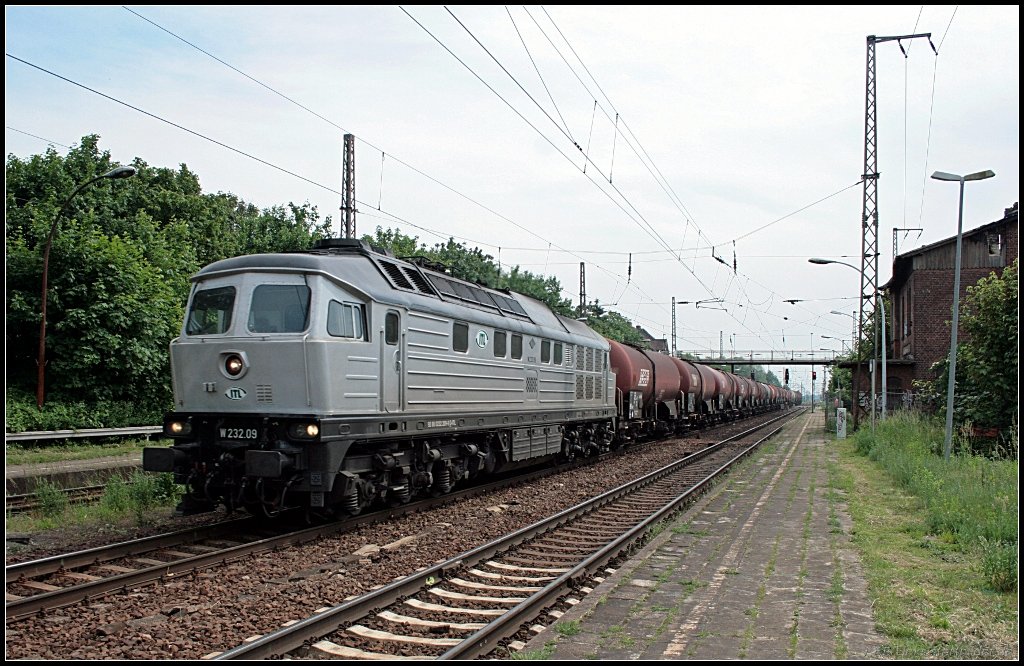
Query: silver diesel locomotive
[(340, 376)]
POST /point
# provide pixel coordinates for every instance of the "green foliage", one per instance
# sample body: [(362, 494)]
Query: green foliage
[(999, 564), (614, 326), (986, 394), (21, 414), (139, 494), (473, 265), (119, 267), (967, 499), (990, 358), (53, 502)]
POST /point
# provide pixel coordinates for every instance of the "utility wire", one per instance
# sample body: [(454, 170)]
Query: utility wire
[(174, 124), (37, 137), (540, 76), (371, 145)]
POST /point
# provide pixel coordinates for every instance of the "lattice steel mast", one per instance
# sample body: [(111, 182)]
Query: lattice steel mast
[(869, 217)]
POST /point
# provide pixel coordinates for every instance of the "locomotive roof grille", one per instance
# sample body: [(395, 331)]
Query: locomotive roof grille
[(411, 277), (396, 275), (454, 290)]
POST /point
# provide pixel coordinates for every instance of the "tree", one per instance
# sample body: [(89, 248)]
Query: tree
[(614, 326), (473, 265), (988, 362), (119, 268)]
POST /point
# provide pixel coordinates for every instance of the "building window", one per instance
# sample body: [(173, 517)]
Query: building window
[(994, 242)]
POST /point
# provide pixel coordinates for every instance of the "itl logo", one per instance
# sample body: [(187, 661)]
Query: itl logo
[(235, 393)]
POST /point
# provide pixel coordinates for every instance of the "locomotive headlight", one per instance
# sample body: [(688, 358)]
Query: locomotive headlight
[(233, 365), (177, 428), (304, 430)]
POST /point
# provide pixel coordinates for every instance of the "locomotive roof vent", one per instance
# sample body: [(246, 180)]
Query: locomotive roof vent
[(335, 245)]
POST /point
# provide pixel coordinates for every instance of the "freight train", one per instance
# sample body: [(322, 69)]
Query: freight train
[(341, 377)]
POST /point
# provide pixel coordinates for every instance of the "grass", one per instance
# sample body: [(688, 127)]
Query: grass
[(122, 501), (21, 454), (921, 566), (568, 628), (535, 655)]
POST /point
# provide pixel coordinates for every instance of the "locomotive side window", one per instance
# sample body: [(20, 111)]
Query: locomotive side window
[(345, 320), (211, 311), (279, 308), (517, 346), (558, 353), (391, 328), (460, 337), (500, 344), (545, 351)]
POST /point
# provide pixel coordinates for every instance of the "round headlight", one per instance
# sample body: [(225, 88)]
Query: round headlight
[(178, 428), (312, 430), (234, 365)]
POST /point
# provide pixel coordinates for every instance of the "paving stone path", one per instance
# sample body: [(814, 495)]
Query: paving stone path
[(760, 568)]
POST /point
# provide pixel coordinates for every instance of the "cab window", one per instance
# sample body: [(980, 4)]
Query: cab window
[(210, 313), (345, 320), (279, 308), (517, 346), (500, 344), (545, 351)]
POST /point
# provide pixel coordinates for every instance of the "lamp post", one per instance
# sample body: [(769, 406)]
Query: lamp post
[(115, 173), (942, 175), (841, 341), (882, 310)]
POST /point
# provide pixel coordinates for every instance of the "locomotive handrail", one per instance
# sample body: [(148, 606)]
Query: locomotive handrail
[(28, 436)]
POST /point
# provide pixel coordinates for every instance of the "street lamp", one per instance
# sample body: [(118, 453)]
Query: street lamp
[(113, 174), (942, 175), (841, 341), (853, 336), (882, 310)]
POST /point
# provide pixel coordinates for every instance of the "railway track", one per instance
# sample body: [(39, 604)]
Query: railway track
[(23, 503), (37, 586), (467, 606)]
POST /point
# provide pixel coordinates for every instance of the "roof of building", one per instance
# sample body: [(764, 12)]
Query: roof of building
[(901, 260)]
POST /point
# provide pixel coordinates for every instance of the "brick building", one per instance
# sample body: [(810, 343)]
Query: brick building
[(921, 299), (656, 344)]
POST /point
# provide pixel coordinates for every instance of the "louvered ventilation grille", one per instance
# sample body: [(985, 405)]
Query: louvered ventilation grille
[(264, 393), (396, 275), (590, 388), (579, 388), (418, 280), (531, 384)]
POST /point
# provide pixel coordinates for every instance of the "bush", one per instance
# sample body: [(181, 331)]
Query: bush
[(53, 502), (22, 415)]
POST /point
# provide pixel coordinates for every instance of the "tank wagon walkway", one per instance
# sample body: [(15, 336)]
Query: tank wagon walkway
[(760, 568)]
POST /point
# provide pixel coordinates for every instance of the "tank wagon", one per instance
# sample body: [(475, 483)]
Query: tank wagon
[(342, 376)]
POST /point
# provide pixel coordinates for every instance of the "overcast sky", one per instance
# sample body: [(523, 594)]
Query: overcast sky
[(709, 122)]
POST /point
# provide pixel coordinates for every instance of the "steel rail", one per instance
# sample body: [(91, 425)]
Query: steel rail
[(295, 635)]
